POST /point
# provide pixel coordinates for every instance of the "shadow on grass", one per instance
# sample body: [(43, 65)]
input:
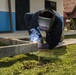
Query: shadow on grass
[(60, 51), (7, 63), (53, 55), (42, 59)]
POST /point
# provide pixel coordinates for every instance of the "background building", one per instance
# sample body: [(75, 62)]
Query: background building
[(13, 19), (70, 12)]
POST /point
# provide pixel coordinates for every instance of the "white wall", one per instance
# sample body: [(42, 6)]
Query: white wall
[(4, 5), (60, 7), (36, 5), (13, 5)]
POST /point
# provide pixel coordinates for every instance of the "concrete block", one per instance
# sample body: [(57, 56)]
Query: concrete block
[(17, 47)]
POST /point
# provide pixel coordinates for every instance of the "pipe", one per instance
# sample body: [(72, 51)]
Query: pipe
[(10, 15)]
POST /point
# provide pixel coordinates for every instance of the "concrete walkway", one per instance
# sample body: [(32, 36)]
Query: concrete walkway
[(24, 34), (67, 42)]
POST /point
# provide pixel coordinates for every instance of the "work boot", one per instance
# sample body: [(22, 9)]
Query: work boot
[(44, 46)]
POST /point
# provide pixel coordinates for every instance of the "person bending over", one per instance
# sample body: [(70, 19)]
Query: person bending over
[(48, 21)]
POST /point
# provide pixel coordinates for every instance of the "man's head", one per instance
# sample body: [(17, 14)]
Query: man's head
[(45, 19), (46, 13)]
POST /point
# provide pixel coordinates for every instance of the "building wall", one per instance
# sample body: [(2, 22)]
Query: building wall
[(4, 15), (40, 4), (60, 7), (34, 6)]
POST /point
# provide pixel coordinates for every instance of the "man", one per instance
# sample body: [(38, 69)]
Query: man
[(53, 28)]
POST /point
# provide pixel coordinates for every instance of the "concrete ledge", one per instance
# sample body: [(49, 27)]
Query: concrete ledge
[(67, 42), (12, 41), (16, 47)]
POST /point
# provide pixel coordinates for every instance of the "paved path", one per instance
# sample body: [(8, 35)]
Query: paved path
[(24, 34), (67, 42)]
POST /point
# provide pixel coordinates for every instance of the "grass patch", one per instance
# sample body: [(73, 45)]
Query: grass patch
[(3, 44), (70, 36), (59, 61)]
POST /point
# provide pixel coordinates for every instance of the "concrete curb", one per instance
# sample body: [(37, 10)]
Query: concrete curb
[(16, 47)]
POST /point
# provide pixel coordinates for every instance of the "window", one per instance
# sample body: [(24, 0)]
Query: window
[(50, 4)]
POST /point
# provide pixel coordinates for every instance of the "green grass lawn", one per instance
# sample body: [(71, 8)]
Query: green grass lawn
[(60, 61), (70, 36), (3, 44)]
